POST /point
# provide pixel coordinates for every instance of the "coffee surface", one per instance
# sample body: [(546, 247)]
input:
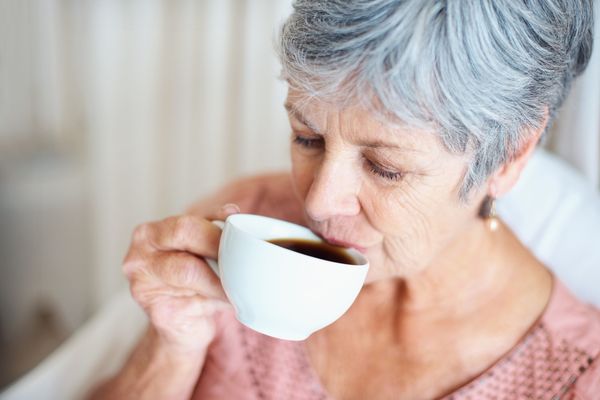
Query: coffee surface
[(313, 248)]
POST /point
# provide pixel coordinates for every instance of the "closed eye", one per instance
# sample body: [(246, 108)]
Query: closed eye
[(307, 142), (383, 173), (375, 169)]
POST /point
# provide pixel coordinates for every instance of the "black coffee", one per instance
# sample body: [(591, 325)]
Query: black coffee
[(316, 249)]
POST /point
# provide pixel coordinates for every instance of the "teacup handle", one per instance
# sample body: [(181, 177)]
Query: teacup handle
[(213, 263)]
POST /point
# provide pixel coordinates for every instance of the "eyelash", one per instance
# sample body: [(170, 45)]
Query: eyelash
[(388, 175), (373, 168), (308, 143)]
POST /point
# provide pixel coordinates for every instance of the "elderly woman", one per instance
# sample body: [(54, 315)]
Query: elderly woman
[(408, 118)]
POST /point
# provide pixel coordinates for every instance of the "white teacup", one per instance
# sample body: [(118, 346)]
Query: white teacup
[(277, 291)]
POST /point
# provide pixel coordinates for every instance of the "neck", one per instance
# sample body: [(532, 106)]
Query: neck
[(467, 276)]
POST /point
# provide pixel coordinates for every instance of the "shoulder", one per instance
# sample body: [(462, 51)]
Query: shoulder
[(575, 329), (270, 194), (587, 386), (558, 358), (572, 320)]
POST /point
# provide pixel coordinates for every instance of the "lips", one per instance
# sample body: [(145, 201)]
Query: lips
[(342, 243), (336, 241)]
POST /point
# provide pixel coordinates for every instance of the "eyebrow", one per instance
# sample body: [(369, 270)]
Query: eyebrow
[(298, 115), (373, 144), (376, 144)]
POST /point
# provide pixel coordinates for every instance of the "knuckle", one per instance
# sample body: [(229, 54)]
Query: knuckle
[(141, 232), (183, 227), (130, 266), (137, 292)]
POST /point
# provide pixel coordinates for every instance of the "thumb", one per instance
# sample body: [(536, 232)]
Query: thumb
[(226, 210)]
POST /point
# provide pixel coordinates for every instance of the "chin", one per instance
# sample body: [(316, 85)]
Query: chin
[(380, 271), (377, 275)]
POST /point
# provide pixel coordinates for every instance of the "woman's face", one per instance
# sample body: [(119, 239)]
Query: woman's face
[(389, 192)]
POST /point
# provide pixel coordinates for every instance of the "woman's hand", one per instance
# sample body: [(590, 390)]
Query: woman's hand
[(170, 279), (180, 293)]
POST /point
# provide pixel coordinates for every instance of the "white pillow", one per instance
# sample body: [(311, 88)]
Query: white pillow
[(556, 213), (96, 351)]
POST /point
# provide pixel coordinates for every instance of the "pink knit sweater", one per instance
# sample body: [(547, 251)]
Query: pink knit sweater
[(558, 359)]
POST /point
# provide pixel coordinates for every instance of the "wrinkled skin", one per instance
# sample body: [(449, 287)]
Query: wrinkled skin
[(403, 219)]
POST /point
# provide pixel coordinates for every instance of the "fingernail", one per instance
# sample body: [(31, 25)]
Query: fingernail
[(230, 208)]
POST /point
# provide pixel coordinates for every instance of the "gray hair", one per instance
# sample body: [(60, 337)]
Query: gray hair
[(481, 73)]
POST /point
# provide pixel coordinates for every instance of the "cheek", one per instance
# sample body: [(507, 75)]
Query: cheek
[(303, 172), (417, 223), (409, 222)]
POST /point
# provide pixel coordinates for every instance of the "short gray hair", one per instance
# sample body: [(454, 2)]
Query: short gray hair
[(481, 73)]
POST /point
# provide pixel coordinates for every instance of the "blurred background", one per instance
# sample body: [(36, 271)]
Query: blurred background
[(115, 112)]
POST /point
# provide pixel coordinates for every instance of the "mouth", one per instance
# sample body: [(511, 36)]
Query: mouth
[(342, 243)]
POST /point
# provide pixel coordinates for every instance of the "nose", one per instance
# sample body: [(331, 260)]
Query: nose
[(333, 192)]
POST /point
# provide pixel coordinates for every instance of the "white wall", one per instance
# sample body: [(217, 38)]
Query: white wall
[(113, 113), (179, 97)]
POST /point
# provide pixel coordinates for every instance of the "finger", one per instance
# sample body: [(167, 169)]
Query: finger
[(182, 233), (221, 213), (187, 306), (185, 271)]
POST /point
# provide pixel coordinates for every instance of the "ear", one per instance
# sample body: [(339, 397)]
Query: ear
[(503, 180)]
